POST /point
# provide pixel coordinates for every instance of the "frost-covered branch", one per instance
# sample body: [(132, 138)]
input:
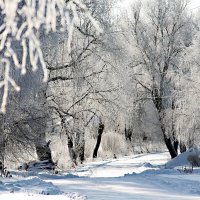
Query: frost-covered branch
[(20, 24)]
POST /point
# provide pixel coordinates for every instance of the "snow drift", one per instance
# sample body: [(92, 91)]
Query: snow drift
[(183, 159)]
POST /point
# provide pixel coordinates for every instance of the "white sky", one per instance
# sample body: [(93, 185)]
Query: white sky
[(194, 4)]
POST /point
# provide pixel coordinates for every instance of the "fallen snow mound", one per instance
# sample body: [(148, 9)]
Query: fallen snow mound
[(182, 159), (34, 188), (32, 185)]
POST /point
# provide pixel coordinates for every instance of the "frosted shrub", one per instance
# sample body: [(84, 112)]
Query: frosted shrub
[(114, 143), (194, 160)]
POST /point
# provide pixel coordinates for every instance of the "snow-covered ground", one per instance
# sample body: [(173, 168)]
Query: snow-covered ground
[(142, 177)]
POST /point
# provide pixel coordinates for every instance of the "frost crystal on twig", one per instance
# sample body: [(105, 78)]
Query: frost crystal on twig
[(20, 23)]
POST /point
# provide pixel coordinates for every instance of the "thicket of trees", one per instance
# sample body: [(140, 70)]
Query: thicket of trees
[(134, 87)]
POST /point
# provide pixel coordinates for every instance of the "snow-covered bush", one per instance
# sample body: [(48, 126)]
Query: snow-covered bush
[(113, 143), (194, 160), (191, 157)]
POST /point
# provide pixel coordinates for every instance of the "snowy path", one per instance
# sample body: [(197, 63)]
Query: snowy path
[(106, 180), (139, 177), (126, 189)]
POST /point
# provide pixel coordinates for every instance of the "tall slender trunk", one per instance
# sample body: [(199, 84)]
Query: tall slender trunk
[(80, 146), (158, 102), (128, 134), (2, 142), (175, 140), (170, 147), (183, 147), (70, 144), (100, 131), (76, 141), (168, 141), (176, 144)]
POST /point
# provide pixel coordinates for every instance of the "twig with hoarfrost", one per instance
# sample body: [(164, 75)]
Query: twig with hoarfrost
[(20, 23)]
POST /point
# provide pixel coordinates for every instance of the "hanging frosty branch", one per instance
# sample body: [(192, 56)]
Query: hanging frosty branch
[(20, 22)]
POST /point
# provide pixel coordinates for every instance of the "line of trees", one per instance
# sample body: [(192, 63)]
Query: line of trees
[(138, 79)]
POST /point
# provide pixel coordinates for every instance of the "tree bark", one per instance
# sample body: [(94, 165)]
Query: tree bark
[(158, 102), (71, 149), (81, 147), (44, 152), (183, 147), (168, 141), (170, 147), (128, 134), (100, 131), (176, 143)]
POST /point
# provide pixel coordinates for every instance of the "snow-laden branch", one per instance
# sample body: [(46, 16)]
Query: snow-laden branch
[(20, 23)]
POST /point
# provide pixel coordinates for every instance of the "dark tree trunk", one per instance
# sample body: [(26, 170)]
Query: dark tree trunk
[(168, 141), (3, 141), (128, 133), (100, 131), (125, 131), (183, 147), (170, 146), (176, 143), (44, 152), (157, 100), (82, 153), (71, 149), (81, 147), (2, 155)]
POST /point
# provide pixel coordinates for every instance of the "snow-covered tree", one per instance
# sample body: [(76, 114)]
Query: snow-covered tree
[(84, 74), (159, 38)]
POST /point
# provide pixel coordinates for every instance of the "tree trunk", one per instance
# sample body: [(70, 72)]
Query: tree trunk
[(170, 146), (3, 142), (158, 102), (2, 154), (44, 152), (79, 140), (168, 141), (176, 143), (100, 131), (71, 149), (183, 147), (81, 147), (128, 134)]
